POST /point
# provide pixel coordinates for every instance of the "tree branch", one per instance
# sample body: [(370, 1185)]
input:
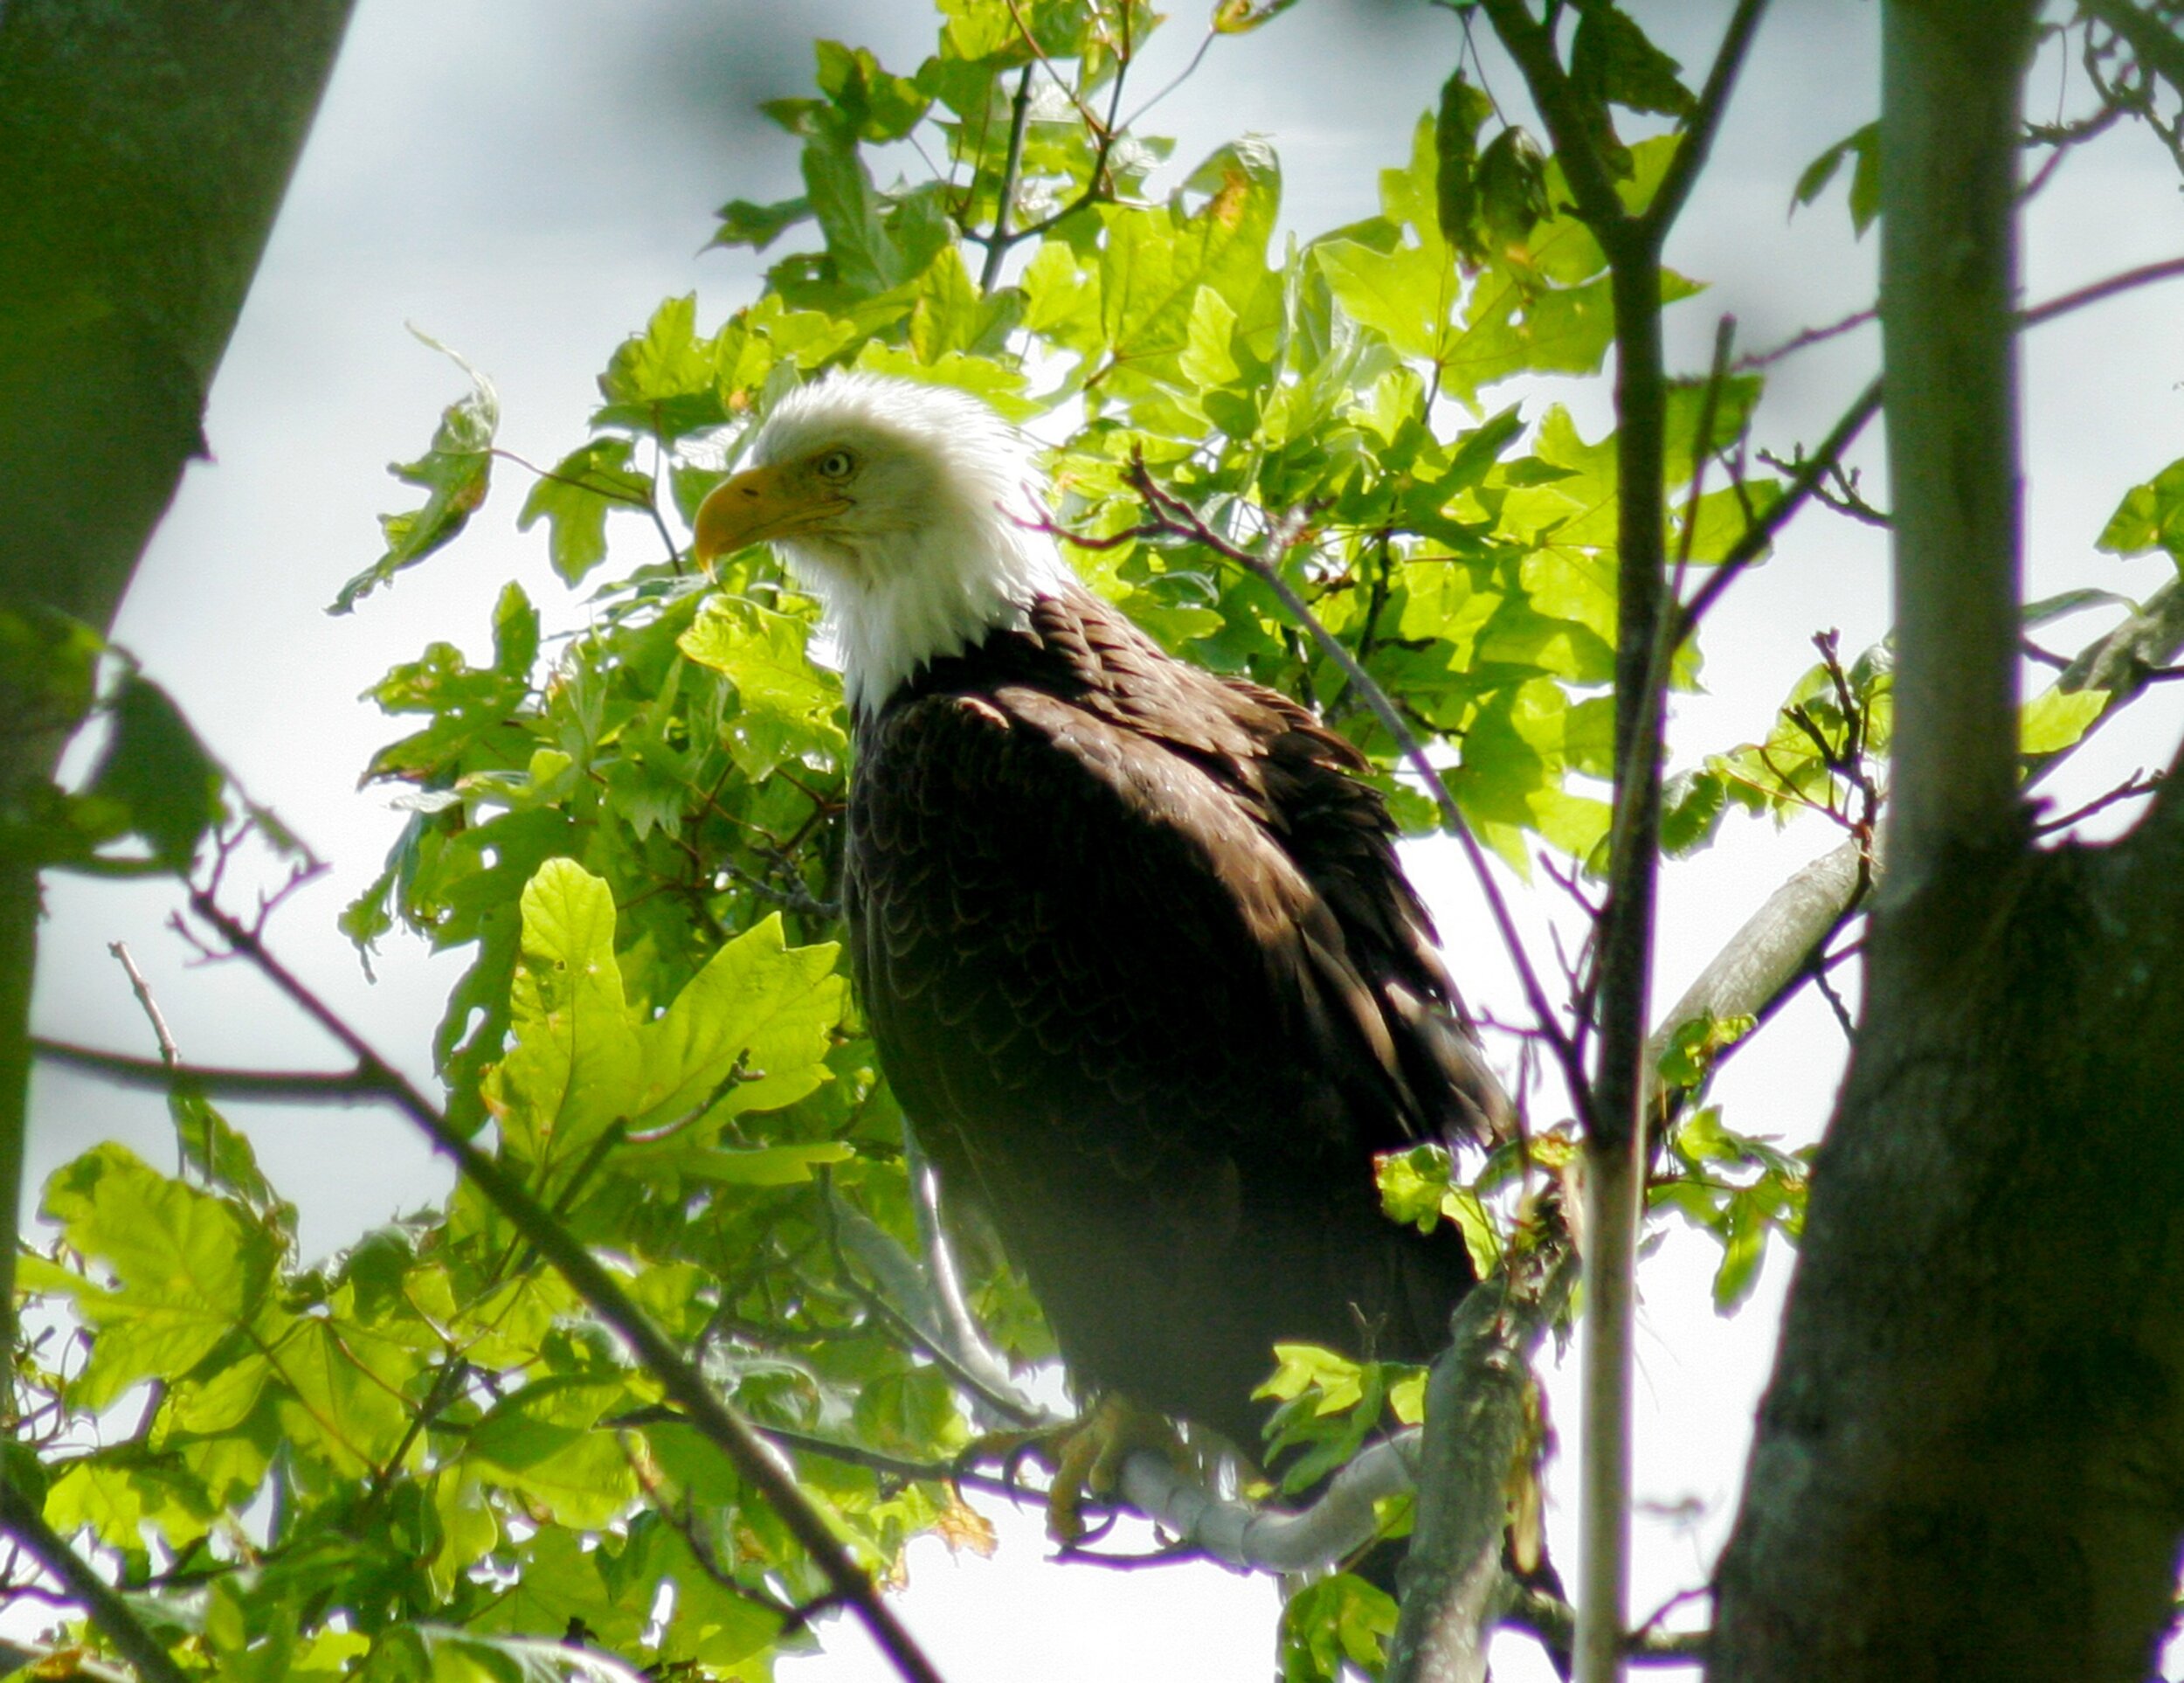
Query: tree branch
[(1553, 1621), (720, 1424), (1705, 122), (20, 908), (1813, 472), (113, 1616), (358, 1086), (2154, 39), (1476, 1421), (1763, 962), (1753, 542), (168, 1052), (1257, 1539), (997, 243), (1949, 146), (2167, 270)]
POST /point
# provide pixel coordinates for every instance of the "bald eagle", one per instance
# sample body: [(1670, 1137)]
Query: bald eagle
[(1132, 939)]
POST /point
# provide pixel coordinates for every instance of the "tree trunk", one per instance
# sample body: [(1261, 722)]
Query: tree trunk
[(1970, 1462), (148, 147)]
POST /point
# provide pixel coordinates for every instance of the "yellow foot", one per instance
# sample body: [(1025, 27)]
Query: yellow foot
[(1086, 1457)]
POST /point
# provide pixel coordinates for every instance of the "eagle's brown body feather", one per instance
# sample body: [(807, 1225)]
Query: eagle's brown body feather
[(1150, 986)]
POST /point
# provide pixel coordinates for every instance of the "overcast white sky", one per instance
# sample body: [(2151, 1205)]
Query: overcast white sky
[(526, 183)]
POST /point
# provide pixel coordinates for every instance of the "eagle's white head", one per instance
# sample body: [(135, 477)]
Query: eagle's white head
[(901, 506)]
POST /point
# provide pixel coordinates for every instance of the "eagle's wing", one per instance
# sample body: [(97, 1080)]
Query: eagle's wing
[(1143, 1019), (1170, 942)]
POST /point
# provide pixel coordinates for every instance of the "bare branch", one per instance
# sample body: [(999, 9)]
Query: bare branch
[(1259, 1539), (1705, 121), (114, 1617), (1805, 340), (1748, 548), (169, 1053), (2167, 270), (305, 1086), (1477, 1420)]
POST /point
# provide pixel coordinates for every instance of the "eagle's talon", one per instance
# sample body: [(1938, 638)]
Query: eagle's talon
[(1085, 1456)]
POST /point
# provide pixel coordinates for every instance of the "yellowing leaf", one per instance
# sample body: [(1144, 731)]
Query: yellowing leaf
[(2057, 719)]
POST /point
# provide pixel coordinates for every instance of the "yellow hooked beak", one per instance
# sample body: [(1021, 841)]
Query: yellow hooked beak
[(758, 504)]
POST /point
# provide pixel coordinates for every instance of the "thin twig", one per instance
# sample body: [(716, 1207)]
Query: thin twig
[(169, 1053), (1805, 340), (1824, 461), (2138, 785), (1552, 1620), (797, 899), (2167, 270), (1705, 121), (605, 492), (1748, 548)]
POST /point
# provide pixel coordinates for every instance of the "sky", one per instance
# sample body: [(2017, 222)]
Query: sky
[(526, 183)]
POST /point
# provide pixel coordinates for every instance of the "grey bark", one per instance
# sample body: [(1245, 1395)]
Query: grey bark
[(1970, 1461), (1455, 1586), (1949, 153)]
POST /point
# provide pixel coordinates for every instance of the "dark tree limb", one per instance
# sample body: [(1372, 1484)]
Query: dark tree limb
[(149, 145), (1966, 1462)]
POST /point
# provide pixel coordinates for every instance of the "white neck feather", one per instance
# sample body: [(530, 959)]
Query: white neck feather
[(915, 596)]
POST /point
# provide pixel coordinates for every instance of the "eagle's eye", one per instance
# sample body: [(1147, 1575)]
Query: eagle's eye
[(837, 465)]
